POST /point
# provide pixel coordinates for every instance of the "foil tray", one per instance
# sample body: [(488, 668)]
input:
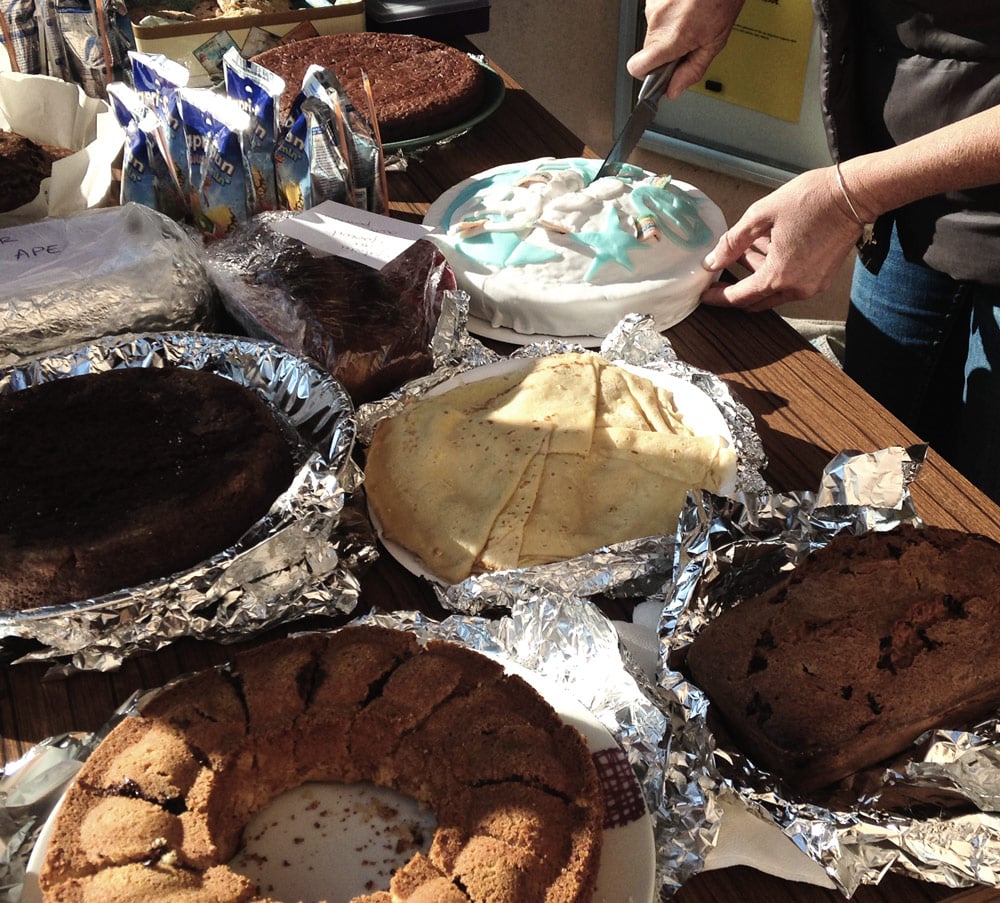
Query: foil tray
[(732, 549), (299, 560)]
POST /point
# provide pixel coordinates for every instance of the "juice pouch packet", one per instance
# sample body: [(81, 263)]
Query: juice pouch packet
[(217, 130), (138, 183), (91, 47), (329, 173), (291, 160), (361, 148), (157, 79), (257, 91)]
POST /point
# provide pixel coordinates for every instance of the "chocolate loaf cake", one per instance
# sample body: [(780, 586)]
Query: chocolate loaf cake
[(160, 805), (371, 329), (873, 640), (419, 86), (128, 476)]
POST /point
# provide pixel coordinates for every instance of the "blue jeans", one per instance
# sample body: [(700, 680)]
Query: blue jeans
[(928, 348)]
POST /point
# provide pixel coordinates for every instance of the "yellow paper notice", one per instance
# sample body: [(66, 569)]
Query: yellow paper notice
[(764, 64)]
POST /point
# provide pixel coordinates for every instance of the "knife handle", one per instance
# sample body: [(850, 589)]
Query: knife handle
[(655, 83)]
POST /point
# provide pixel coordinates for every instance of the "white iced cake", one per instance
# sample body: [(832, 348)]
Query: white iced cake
[(544, 248)]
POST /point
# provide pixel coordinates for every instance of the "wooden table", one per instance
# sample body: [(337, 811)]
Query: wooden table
[(807, 411)]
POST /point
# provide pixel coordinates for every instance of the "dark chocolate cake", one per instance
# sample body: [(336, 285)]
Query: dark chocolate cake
[(113, 479), (23, 166), (419, 87), (868, 643)]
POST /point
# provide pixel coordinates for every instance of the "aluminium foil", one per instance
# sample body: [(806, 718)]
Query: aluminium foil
[(630, 569), (730, 549), (107, 271), (300, 559)]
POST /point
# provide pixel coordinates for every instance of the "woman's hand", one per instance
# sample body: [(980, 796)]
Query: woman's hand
[(693, 31), (793, 240)]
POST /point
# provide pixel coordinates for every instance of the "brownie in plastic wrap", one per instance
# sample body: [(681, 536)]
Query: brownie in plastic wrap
[(369, 328)]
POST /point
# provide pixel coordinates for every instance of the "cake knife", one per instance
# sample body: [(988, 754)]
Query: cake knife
[(653, 87)]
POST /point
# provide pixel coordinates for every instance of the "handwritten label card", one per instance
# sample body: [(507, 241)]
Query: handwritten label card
[(29, 252), (358, 235)]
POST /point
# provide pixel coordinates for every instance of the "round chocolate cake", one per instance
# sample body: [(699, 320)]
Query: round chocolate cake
[(419, 86), (159, 808), (127, 476)]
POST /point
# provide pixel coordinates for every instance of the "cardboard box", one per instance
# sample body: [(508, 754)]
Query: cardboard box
[(199, 45), (439, 19)]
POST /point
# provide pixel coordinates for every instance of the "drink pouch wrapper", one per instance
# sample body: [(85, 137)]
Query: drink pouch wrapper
[(361, 147), (291, 160), (257, 91), (146, 176), (91, 46), (329, 172), (138, 180), (157, 79), (216, 129)]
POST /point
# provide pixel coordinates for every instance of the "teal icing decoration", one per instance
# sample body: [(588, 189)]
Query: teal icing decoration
[(629, 172), (526, 253), (677, 213), (495, 249), (489, 248), (472, 189), (612, 245)]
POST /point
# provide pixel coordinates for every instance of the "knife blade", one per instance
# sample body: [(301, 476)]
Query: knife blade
[(653, 87)]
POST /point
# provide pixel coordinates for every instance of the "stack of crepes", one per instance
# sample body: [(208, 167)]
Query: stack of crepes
[(541, 464)]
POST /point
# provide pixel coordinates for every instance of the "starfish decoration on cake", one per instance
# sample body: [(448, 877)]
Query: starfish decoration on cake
[(611, 245), (504, 249)]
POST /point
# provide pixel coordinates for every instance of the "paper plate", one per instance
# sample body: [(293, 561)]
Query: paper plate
[(336, 841), (698, 410)]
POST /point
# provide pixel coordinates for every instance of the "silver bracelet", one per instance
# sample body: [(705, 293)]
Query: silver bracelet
[(867, 229)]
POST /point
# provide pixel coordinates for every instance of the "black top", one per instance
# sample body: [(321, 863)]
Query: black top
[(894, 70)]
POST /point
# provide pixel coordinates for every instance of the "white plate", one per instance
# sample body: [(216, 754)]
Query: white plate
[(699, 411), (335, 841)]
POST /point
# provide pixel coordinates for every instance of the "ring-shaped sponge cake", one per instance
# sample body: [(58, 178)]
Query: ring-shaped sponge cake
[(158, 809)]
